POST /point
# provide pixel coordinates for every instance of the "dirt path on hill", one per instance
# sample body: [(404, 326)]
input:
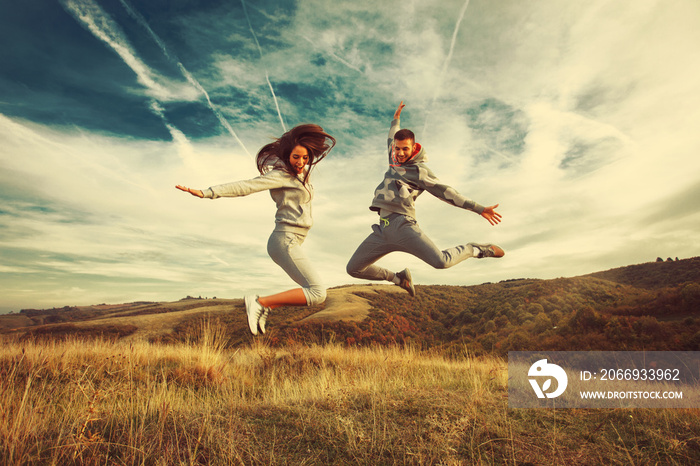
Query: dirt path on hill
[(344, 304)]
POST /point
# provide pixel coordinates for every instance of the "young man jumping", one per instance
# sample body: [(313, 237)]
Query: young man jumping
[(394, 199)]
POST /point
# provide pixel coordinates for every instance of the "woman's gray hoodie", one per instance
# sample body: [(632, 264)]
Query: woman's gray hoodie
[(292, 197)]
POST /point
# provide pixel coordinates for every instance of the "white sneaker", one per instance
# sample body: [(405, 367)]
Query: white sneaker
[(253, 309), (263, 319)]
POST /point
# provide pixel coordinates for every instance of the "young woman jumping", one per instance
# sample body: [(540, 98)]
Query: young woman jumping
[(284, 167)]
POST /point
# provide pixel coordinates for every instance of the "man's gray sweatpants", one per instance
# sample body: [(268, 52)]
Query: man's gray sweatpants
[(284, 247), (400, 233)]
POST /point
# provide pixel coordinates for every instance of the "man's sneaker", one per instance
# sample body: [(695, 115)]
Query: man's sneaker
[(488, 250), (254, 310), (406, 282), (263, 319)]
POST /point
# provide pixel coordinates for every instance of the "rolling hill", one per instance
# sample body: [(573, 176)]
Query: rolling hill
[(646, 306), (373, 376)]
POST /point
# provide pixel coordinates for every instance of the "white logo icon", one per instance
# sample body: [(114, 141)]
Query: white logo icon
[(542, 369)]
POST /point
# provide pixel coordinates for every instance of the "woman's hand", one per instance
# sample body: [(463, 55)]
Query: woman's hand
[(194, 192), (491, 215)]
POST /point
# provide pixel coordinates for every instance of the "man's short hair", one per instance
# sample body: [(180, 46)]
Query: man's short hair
[(403, 134)]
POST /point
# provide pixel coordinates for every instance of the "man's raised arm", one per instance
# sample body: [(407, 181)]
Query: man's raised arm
[(394, 128)]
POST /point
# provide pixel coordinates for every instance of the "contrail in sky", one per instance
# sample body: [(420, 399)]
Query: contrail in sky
[(267, 76), (177, 135), (344, 62), (105, 29), (142, 21), (447, 61)]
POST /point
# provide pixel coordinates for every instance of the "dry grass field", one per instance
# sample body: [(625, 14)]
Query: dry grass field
[(199, 402)]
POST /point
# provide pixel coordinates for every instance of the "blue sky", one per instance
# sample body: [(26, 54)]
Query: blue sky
[(579, 118)]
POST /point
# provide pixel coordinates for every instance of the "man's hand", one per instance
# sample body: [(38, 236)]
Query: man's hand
[(194, 192), (397, 113), (491, 215)]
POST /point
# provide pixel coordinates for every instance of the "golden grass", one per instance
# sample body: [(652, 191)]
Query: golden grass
[(97, 402)]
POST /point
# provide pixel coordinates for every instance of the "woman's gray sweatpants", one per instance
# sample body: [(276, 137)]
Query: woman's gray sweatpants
[(400, 233), (284, 248)]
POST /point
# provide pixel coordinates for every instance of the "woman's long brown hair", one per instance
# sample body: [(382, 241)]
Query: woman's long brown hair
[(310, 136)]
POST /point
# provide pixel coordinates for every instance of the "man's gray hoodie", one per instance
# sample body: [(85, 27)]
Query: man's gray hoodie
[(403, 183)]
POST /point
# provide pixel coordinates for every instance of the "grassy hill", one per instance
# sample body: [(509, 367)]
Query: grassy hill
[(654, 275), (417, 381), (652, 306)]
